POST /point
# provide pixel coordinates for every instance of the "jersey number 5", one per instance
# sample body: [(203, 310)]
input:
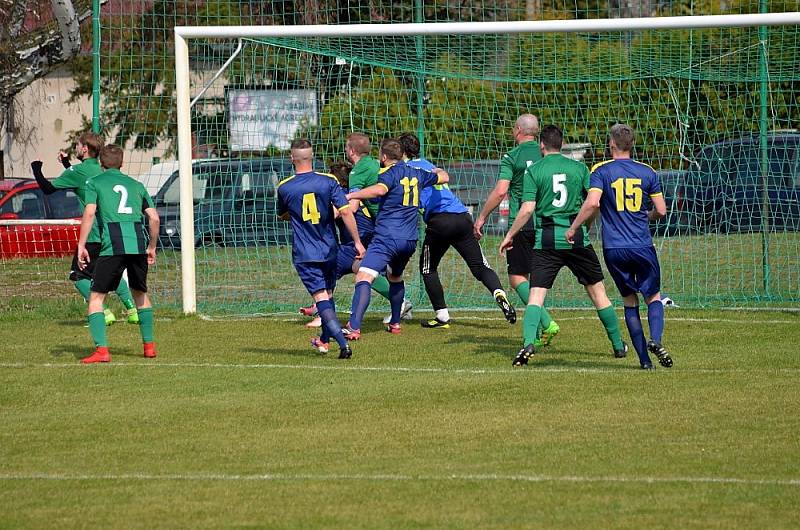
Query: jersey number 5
[(310, 211), (559, 188), (410, 191), (123, 199), (628, 193)]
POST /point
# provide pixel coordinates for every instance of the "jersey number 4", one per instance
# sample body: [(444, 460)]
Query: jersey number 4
[(628, 193), (310, 210), (410, 191)]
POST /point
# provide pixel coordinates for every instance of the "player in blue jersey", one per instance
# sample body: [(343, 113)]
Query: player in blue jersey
[(618, 188), (305, 199), (396, 232), (448, 223)]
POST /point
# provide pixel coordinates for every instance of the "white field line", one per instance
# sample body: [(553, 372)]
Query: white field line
[(455, 319), (397, 478), (624, 369)]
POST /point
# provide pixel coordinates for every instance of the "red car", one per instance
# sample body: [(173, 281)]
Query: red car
[(22, 204)]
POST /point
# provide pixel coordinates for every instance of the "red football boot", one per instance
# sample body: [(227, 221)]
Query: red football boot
[(149, 350), (100, 355)]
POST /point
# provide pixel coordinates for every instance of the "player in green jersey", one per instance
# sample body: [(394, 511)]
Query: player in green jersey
[(87, 147), (554, 188), (509, 182), (118, 202)]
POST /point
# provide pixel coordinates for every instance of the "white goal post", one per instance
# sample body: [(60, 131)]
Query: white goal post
[(183, 96)]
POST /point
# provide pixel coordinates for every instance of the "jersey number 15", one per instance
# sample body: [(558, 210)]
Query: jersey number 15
[(628, 193)]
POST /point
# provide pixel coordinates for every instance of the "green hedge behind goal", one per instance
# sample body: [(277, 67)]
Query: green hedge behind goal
[(691, 95)]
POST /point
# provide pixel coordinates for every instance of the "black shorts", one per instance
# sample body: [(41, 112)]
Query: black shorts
[(108, 272), (582, 261), (75, 272), (519, 256)]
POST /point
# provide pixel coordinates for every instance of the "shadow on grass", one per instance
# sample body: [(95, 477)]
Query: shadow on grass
[(286, 352), (79, 352)]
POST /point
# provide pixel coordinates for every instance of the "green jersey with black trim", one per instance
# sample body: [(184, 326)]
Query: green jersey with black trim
[(512, 168), (121, 202), (559, 186), (75, 178), (365, 174)]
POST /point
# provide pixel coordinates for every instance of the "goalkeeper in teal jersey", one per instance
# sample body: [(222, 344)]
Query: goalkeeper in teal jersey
[(120, 205), (75, 178), (554, 189), (509, 182)]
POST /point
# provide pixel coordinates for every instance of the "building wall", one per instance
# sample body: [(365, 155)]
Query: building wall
[(42, 121)]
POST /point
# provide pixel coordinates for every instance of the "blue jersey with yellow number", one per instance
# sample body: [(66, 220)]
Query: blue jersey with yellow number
[(438, 198), (307, 199), (397, 218), (364, 224), (625, 184)]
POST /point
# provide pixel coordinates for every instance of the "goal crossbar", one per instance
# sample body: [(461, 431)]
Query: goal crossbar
[(183, 96)]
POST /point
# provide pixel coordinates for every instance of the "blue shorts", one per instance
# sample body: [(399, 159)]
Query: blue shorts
[(345, 259), (390, 255), (634, 270), (317, 276)]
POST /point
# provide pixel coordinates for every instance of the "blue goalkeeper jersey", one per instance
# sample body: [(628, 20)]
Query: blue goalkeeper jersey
[(307, 199), (397, 218), (437, 198), (625, 184)]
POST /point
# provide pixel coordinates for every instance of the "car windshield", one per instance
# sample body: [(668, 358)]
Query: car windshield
[(208, 183), (64, 205), (217, 181)]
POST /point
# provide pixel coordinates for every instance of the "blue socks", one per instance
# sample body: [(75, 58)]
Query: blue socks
[(634, 323), (655, 319), (361, 297), (397, 291), (330, 324)]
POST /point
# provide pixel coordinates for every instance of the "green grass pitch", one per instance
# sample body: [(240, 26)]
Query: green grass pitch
[(240, 424)]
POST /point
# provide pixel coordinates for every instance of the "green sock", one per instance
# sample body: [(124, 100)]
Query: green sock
[(146, 324), (609, 319), (524, 291), (381, 286), (124, 294), (97, 328), (83, 287), (530, 325), (546, 320)]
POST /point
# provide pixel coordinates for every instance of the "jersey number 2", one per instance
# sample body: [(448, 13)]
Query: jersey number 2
[(310, 211), (410, 191), (123, 199), (628, 193)]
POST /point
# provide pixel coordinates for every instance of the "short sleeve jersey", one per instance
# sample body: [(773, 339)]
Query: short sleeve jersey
[(512, 168), (307, 198), (437, 198), (364, 224), (121, 202), (558, 185), (624, 184), (400, 204), (363, 175), (75, 178)]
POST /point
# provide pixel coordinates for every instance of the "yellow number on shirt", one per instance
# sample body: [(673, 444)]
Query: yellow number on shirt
[(310, 211), (628, 193), (410, 191)]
